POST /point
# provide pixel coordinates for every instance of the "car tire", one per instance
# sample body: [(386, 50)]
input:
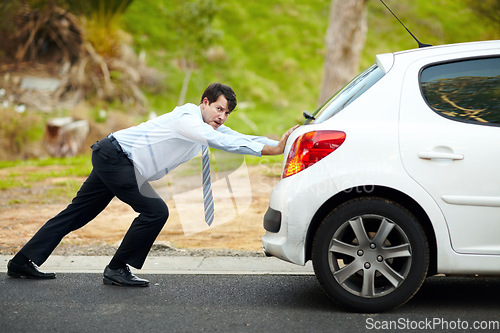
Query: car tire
[(370, 254)]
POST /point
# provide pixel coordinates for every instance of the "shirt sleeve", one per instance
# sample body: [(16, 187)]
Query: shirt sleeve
[(262, 139), (191, 127)]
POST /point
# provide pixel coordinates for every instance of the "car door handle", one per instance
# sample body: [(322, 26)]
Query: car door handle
[(430, 155)]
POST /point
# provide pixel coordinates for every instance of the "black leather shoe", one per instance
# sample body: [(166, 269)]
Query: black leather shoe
[(28, 270), (123, 277)]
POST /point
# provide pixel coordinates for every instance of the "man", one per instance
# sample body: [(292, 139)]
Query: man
[(123, 162)]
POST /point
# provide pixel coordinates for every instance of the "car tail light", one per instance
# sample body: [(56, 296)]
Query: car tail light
[(310, 148)]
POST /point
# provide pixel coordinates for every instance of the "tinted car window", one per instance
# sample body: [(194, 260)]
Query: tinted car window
[(466, 90), (348, 94)]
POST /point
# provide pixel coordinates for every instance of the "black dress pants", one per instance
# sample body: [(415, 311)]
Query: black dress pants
[(112, 175)]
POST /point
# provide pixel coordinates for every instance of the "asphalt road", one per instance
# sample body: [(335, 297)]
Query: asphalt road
[(232, 303)]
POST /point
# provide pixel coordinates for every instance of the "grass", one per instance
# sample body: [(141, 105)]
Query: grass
[(432, 22), (81, 162), (271, 53), (63, 189), (79, 166), (10, 182)]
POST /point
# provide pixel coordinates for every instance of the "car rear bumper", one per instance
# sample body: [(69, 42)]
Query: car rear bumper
[(286, 221), (272, 220)]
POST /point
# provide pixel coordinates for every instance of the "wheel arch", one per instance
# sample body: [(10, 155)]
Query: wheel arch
[(382, 192)]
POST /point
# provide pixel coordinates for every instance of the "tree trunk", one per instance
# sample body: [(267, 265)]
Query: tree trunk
[(345, 38), (64, 136)]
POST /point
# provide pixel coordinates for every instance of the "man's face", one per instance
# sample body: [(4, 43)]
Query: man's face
[(215, 114)]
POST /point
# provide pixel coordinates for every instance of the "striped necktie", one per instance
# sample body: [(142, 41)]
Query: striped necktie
[(208, 199)]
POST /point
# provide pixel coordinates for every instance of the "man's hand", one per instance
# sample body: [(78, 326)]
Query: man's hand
[(278, 150)]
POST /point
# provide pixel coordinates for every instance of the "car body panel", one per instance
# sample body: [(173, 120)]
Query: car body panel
[(447, 158), (375, 154)]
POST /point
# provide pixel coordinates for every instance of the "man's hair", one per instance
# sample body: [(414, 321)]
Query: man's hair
[(214, 90)]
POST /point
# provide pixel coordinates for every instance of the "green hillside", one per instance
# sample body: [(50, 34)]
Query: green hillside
[(272, 52)]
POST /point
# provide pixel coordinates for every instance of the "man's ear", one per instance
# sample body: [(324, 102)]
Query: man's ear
[(203, 103)]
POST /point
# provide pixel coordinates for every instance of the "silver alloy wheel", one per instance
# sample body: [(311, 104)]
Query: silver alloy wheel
[(370, 256)]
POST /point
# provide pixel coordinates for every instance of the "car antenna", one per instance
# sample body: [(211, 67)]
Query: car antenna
[(420, 45)]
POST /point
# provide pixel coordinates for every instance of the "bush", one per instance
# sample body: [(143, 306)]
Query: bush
[(17, 132)]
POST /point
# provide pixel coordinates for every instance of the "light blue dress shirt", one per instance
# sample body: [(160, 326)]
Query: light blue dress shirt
[(160, 145)]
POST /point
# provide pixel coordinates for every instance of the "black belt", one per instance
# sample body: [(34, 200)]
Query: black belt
[(115, 143)]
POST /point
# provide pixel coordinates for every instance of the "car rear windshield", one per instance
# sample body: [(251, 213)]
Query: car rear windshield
[(348, 94)]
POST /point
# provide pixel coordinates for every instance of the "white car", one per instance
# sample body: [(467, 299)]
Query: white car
[(396, 178)]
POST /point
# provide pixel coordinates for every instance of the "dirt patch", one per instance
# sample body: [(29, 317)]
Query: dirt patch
[(23, 212)]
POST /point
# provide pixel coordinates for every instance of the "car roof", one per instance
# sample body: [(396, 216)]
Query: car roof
[(458, 47), (386, 60)]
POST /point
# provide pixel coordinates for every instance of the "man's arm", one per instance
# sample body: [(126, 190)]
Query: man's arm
[(262, 139), (194, 129), (278, 150)]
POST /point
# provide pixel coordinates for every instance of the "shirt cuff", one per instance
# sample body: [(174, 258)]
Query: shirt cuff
[(256, 147)]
